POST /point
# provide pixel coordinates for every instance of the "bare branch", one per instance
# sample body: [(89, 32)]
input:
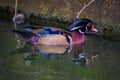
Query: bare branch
[(16, 4), (84, 8)]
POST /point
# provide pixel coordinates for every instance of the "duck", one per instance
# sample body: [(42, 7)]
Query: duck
[(47, 35)]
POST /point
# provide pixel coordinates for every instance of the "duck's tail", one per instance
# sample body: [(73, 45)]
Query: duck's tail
[(25, 34)]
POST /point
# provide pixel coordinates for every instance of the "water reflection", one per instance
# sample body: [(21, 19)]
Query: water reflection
[(83, 59), (75, 53)]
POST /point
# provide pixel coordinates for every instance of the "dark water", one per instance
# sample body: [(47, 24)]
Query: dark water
[(98, 59)]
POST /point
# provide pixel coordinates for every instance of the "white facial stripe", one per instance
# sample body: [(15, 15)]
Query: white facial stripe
[(86, 28), (81, 31), (76, 28)]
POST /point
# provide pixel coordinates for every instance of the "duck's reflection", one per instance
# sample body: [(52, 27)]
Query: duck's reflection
[(83, 59), (80, 57), (52, 52), (75, 53)]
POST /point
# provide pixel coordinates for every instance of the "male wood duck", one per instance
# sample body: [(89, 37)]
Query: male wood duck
[(55, 36)]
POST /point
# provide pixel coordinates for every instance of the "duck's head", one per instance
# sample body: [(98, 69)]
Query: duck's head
[(82, 26)]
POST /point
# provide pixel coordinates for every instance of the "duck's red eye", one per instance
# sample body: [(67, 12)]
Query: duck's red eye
[(89, 28)]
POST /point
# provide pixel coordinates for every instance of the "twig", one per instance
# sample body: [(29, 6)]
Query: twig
[(15, 25), (84, 8), (16, 3)]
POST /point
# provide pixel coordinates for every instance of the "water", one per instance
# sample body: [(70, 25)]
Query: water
[(98, 59)]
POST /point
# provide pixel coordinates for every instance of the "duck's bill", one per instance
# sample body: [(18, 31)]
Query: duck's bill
[(94, 29)]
